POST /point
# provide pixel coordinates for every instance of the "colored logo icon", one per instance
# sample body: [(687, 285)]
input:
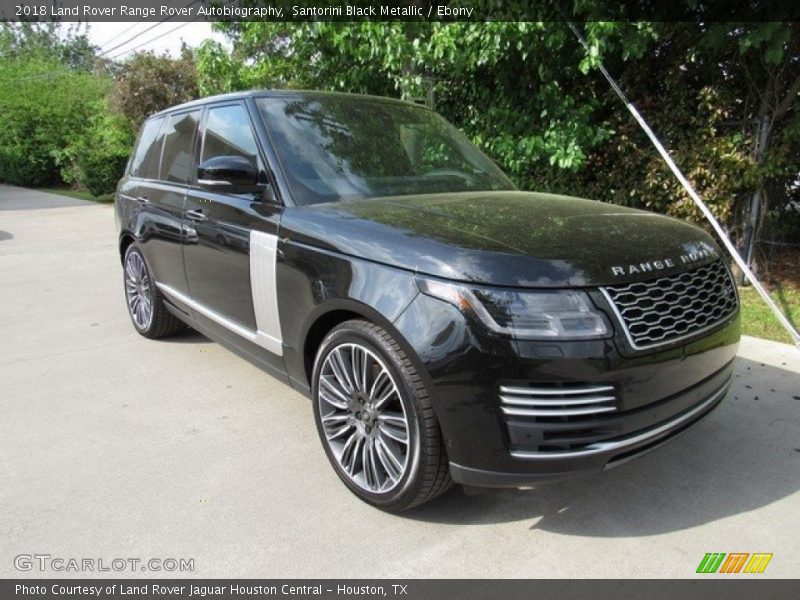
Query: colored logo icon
[(734, 562)]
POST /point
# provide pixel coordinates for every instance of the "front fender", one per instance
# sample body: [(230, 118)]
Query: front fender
[(313, 283)]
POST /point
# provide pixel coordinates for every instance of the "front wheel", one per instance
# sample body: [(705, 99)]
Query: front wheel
[(375, 419)]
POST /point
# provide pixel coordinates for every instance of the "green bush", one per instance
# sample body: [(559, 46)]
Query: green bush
[(42, 106), (95, 158)]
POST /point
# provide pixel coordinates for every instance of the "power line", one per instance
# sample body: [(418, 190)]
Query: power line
[(52, 74), (184, 24), (116, 36), (133, 37)]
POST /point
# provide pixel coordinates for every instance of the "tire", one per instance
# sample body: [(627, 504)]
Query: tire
[(145, 302), (359, 419)]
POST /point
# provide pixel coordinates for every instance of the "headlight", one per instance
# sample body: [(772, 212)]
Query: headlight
[(523, 314)]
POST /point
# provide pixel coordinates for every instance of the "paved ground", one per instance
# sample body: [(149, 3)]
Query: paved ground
[(115, 446)]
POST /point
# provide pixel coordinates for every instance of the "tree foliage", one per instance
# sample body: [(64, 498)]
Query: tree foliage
[(534, 100), (722, 96), (68, 116), (148, 83)]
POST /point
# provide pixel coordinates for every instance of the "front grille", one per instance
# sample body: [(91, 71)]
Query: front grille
[(670, 308), (556, 416)]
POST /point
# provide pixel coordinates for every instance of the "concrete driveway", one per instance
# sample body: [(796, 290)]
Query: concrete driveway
[(115, 446)]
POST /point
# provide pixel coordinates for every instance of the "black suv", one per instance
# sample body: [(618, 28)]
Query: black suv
[(446, 326)]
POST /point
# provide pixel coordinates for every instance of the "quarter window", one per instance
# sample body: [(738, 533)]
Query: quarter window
[(148, 151), (176, 164)]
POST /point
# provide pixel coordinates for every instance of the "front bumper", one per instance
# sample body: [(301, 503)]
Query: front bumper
[(657, 395), (549, 466)]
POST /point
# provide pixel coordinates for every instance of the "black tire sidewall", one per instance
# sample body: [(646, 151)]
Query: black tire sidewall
[(406, 490)]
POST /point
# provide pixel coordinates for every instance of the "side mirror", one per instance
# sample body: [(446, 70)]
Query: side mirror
[(232, 174)]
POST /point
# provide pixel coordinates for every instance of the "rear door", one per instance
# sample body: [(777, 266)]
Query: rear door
[(163, 169), (231, 239)]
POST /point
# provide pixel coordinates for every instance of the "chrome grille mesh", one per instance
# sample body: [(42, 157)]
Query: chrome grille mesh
[(668, 308)]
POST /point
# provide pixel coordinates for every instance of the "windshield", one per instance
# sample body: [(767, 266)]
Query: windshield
[(345, 148)]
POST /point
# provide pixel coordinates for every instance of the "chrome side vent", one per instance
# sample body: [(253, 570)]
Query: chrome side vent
[(557, 401)]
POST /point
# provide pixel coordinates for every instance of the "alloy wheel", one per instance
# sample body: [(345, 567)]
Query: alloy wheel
[(364, 418), (137, 290)]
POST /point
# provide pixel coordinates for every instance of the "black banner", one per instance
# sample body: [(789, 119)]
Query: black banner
[(395, 10), (413, 589)]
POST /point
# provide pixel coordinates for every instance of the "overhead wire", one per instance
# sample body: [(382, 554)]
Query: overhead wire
[(52, 74), (141, 33)]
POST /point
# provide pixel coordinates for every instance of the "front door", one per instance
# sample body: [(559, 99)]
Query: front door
[(230, 240)]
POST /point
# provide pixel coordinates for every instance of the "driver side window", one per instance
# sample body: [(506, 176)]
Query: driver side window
[(228, 133)]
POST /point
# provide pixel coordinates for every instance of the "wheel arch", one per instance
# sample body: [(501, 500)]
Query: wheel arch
[(337, 312), (125, 240)]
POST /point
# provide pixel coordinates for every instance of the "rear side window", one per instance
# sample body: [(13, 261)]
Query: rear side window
[(148, 150), (176, 163), (228, 133)]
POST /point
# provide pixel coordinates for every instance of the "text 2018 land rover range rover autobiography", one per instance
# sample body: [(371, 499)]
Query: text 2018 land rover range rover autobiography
[(446, 326)]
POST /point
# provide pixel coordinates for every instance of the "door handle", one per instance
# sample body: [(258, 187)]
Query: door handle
[(196, 215), (142, 200)]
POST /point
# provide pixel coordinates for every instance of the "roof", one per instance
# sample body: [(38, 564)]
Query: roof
[(275, 93)]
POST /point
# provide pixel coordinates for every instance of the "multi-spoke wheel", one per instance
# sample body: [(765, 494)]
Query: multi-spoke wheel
[(375, 419), (363, 417), (145, 303), (137, 290)]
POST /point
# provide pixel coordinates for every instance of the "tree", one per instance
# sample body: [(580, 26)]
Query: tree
[(531, 97), (147, 83), (42, 105), (69, 47)]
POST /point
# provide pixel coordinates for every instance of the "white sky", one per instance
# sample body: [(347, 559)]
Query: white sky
[(169, 34)]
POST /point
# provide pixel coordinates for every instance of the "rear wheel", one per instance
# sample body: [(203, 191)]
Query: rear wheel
[(375, 419), (145, 302)]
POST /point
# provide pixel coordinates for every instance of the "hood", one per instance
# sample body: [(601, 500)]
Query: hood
[(519, 239)]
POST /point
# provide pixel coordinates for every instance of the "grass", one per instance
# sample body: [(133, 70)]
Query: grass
[(79, 194), (757, 318)]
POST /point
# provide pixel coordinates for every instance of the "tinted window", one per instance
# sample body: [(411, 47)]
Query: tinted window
[(338, 148), (148, 151), (176, 164), (228, 133)]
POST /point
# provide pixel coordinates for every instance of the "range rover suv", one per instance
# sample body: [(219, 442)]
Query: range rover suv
[(446, 326)]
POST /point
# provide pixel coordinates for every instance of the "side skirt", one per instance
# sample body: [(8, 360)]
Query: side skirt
[(250, 352)]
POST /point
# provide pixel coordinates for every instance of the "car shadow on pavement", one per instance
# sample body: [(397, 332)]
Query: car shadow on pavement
[(190, 336), (5, 235), (743, 456)]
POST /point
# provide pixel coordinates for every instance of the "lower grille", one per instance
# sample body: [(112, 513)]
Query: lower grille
[(557, 401), (551, 419), (667, 309), (557, 416)]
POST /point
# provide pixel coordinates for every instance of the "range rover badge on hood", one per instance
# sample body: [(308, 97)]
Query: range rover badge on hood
[(693, 253)]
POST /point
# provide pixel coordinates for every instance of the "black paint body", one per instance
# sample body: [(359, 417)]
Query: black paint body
[(360, 259)]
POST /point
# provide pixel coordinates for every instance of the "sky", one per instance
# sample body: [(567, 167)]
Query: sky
[(159, 37)]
